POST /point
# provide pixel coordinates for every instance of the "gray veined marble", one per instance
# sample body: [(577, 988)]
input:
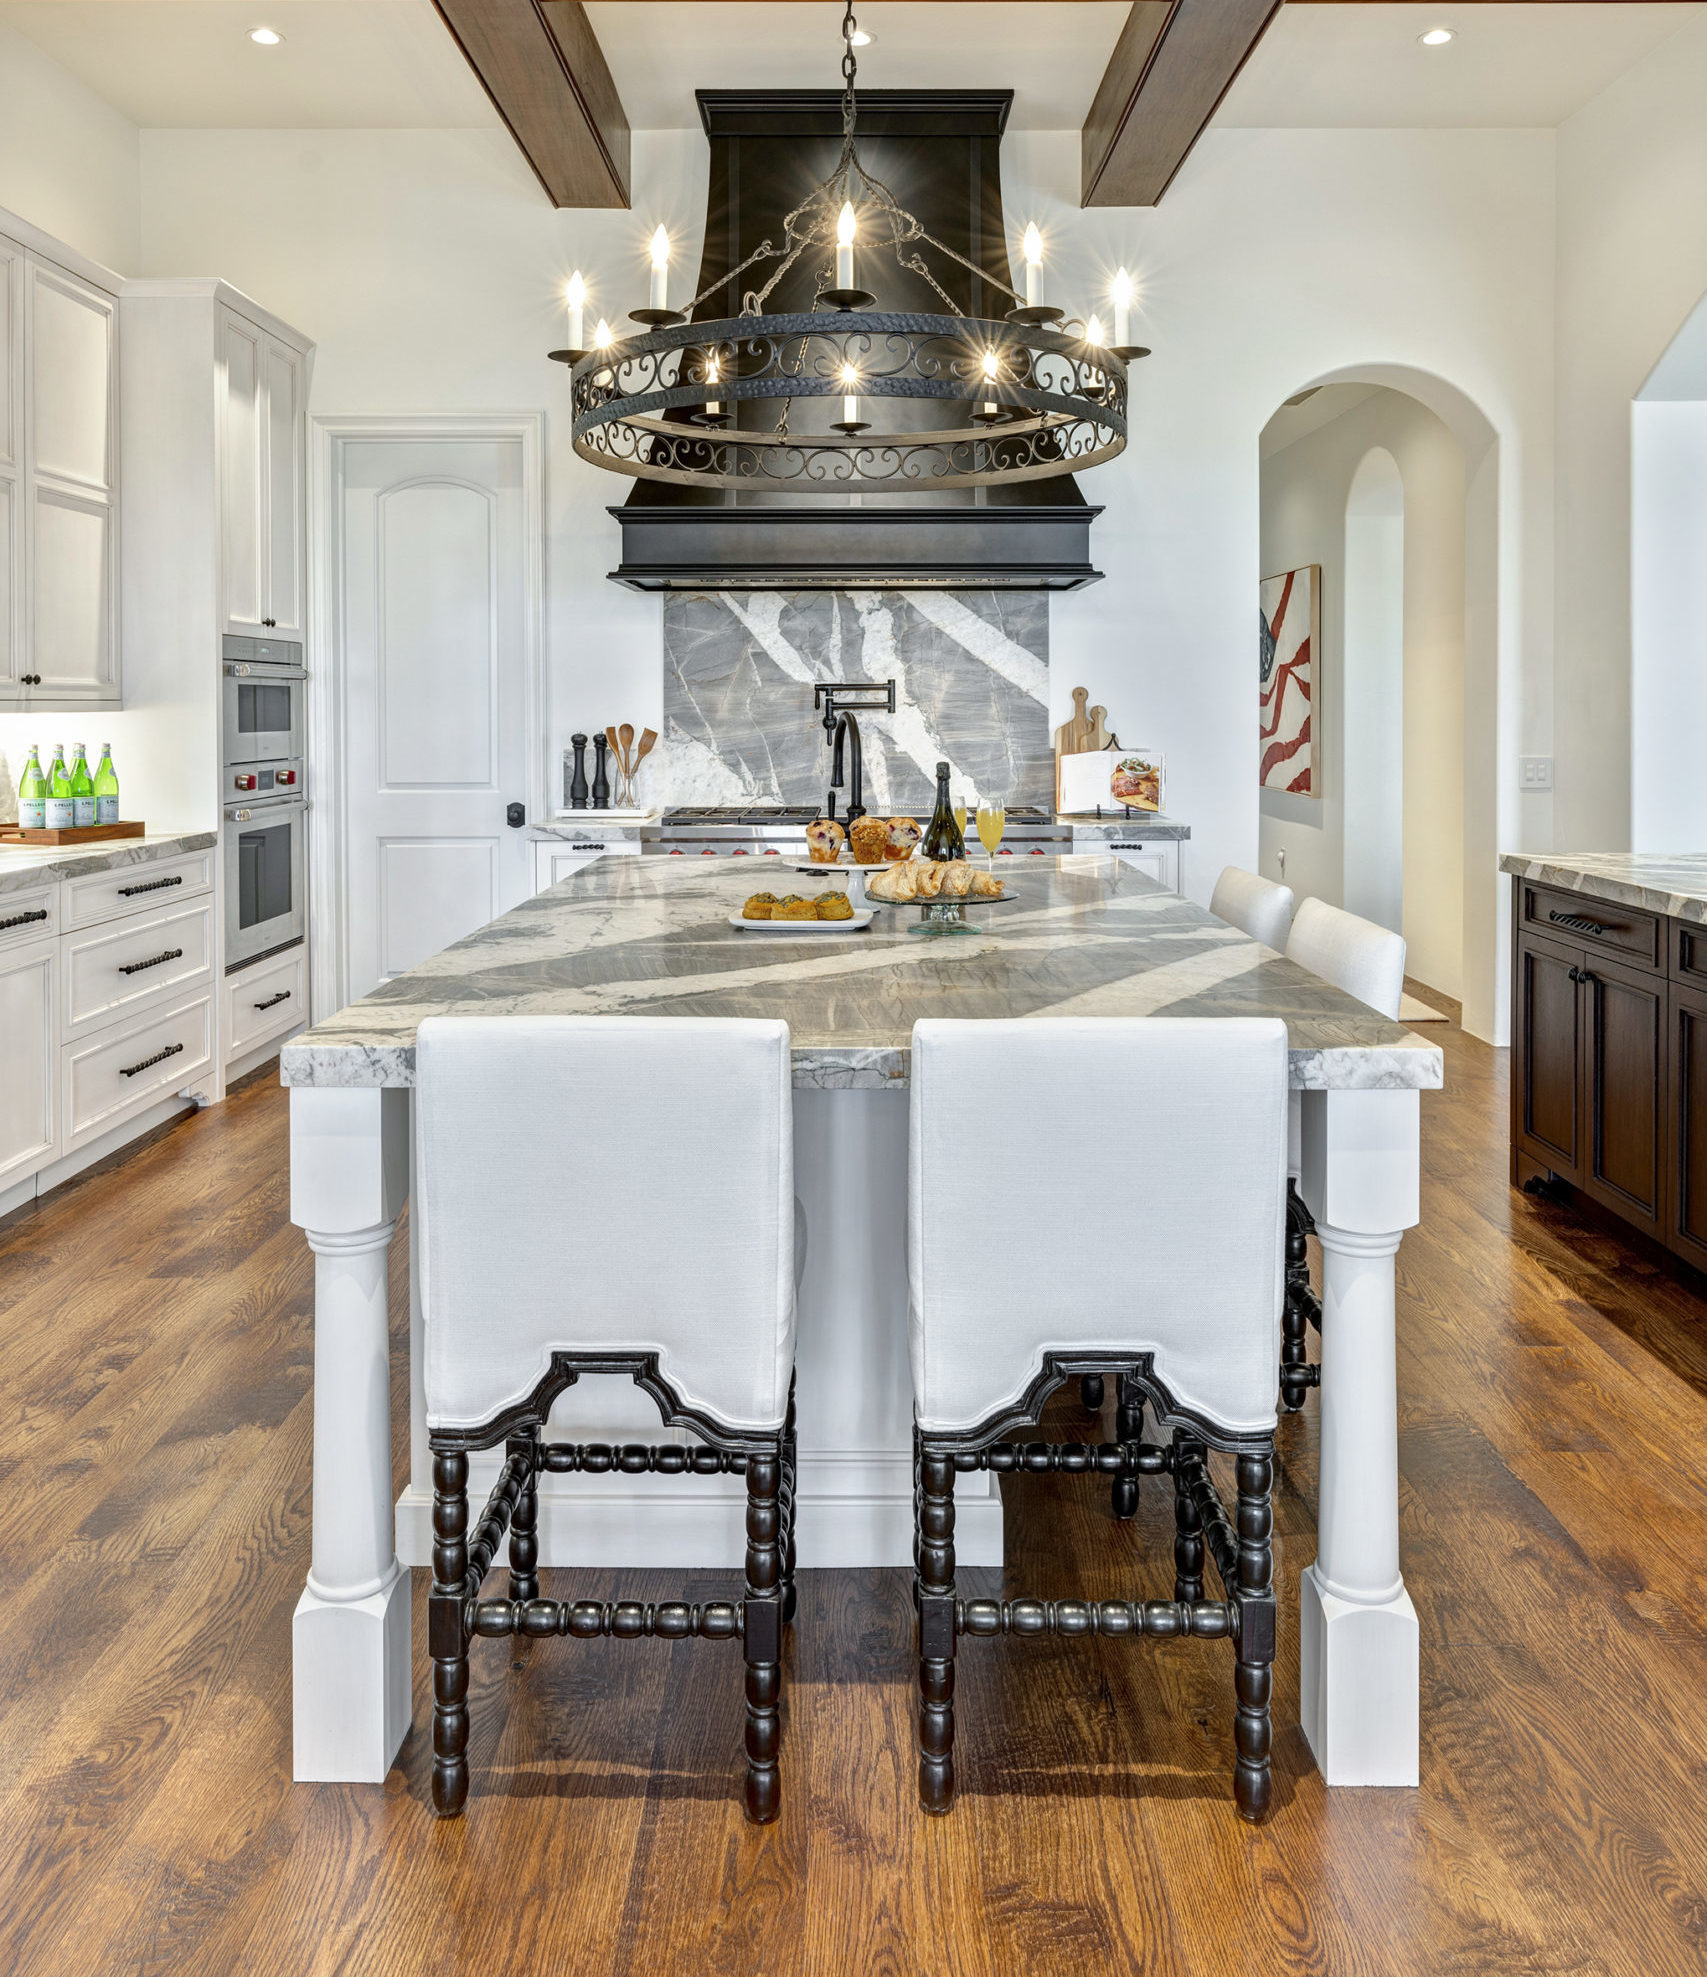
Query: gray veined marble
[(1084, 936), (971, 669), (22, 866), (1669, 882)]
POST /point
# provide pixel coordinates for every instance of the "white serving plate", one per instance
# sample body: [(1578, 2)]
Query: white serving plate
[(804, 929)]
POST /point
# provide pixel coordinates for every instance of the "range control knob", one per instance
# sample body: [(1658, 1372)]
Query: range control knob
[(285, 776), (244, 782), (708, 852), (677, 852)]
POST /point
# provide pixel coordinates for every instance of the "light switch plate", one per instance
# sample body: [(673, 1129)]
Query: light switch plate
[(1535, 772)]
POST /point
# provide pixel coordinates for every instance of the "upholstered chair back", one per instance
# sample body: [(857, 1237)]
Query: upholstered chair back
[(1354, 954), (1254, 905)]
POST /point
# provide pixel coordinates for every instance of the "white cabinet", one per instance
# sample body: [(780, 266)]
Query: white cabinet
[(29, 1069), (59, 485), (265, 1001), (555, 858), (262, 449), (1157, 858)]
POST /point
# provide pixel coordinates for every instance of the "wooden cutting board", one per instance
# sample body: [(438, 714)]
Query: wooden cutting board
[(1087, 729)]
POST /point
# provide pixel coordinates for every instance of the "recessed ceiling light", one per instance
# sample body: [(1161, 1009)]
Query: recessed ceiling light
[(267, 37), (1437, 37), (861, 38)]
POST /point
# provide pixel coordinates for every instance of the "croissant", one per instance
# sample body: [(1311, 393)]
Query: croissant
[(930, 877), (956, 879), (985, 885), (894, 883)]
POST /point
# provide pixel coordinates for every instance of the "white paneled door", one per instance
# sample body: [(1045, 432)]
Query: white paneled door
[(436, 660)]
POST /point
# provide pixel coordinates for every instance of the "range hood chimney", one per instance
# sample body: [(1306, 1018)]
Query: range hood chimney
[(938, 150)]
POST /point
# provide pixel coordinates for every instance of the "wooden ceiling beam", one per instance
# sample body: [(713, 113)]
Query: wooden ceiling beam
[(1172, 65), (541, 64)]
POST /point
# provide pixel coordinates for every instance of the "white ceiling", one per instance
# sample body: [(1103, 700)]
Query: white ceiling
[(392, 64), (1362, 67)]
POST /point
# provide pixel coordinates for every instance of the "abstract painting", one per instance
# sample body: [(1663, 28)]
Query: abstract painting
[(1291, 631)]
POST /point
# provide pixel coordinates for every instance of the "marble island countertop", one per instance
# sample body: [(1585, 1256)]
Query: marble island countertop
[(1669, 882), (25, 865), (1084, 936)]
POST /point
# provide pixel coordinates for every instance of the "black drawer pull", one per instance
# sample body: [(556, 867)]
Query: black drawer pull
[(1582, 926), (136, 967), (1583, 975), (159, 1057), (154, 885), (23, 919), (273, 1001)]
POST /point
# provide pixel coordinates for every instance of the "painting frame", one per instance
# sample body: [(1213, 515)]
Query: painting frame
[(1290, 634)]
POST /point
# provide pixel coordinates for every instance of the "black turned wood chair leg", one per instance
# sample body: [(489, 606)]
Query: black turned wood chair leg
[(1128, 1427), (1091, 1392), (762, 1630), (1188, 1531), (790, 1507), (447, 1634), (934, 1550), (524, 1522), (1300, 1308), (1253, 1671)]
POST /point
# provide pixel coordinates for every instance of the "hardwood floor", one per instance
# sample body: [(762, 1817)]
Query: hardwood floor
[(155, 1332)]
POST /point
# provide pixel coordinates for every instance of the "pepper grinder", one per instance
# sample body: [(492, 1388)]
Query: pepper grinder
[(578, 776), (601, 781)]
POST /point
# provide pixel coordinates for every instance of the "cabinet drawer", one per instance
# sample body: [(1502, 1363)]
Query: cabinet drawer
[(114, 1073), (131, 964), (263, 1001), (142, 888), (1689, 953), (29, 916), (1597, 925)]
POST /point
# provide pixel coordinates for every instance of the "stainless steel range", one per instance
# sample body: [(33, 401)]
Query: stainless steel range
[(779, 831)]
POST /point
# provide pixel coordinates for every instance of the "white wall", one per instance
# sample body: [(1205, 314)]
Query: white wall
[(1632, 265), (1668, 689), (1373, 675), (1306, 490), (69, 162)]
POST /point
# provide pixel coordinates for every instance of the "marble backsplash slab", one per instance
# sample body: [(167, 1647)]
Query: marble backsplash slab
[(971, 672)]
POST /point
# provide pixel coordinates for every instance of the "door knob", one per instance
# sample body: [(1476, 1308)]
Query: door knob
[(516, 816)]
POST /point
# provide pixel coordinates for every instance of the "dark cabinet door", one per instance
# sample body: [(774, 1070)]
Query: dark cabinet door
[(1622, 1136), (1547, 1115), (1686, 1125)]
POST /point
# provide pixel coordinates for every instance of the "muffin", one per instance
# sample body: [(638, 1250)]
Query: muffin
[(824, 841), (869, 837), (904, 835), (795, 908), (835, 906), (760, 907)]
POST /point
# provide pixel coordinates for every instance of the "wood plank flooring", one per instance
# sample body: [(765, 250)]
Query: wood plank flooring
[(155, 1357)]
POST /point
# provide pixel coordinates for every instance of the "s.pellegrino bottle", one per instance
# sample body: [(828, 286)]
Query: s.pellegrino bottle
[(61, 806), (82, 790), (32, 796), (106, 788), (943, 837)]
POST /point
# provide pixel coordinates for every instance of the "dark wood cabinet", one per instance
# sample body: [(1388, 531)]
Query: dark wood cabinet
[(1609, 1060)]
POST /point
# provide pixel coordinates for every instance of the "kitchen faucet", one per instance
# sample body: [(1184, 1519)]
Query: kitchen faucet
[(839, 721)]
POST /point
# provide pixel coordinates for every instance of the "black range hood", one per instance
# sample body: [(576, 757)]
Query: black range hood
[(938, 150)]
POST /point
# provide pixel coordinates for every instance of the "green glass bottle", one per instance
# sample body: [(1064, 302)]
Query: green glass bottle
[(943, 836), (59, 799), (32, 796), (82, 789), (106, 788)]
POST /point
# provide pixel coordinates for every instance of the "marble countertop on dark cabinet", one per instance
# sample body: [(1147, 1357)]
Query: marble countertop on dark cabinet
[(1670, 882)]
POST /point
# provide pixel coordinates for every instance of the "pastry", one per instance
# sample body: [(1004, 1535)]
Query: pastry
[(985, 885), (956, 879), (869, 837), (835, 906), (904, 837), (824, 841), (896, 884), (794, 907), (929, 878), (759, 907)]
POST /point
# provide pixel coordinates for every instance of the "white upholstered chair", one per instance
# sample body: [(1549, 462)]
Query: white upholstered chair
[(539, 1265), (1189, 1122), (1256, 906), (1368, 962)]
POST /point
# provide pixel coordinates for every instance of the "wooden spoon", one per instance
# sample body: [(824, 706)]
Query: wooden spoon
[(615, 746), (648, 741), (626, 731)]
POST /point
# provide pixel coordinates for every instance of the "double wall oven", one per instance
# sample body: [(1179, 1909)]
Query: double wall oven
[(265, 802)]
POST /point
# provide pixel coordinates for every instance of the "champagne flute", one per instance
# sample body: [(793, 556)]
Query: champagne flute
[(960, 817), (992, 822)]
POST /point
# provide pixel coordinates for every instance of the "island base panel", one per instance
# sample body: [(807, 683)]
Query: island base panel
[(1358, 1680), (350, 1685)]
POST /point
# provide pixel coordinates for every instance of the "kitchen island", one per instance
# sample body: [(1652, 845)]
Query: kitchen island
[(1083, 936)]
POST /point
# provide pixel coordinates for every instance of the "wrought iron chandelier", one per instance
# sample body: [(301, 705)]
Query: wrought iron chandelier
[(687, 401)]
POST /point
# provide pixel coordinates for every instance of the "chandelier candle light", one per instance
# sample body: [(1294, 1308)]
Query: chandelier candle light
[(1029, 397)]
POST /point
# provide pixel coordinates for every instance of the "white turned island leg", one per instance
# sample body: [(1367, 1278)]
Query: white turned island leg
[(350, 1686), (1359, 1676)]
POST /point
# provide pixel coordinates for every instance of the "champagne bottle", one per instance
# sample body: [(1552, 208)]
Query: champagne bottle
[(82, 789), (106, 788), (32, 796), (943, 837), (60, 806)]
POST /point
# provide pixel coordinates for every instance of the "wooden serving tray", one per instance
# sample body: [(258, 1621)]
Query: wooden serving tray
[(88, 834)]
